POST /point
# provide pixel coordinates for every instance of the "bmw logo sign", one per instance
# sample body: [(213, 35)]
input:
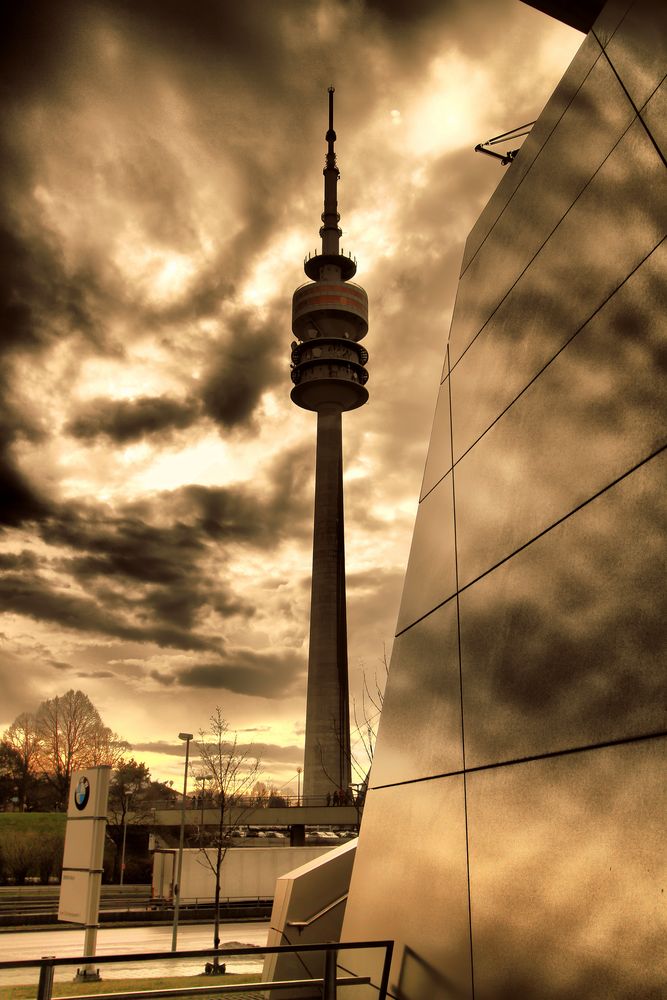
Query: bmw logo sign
[(82, 793)]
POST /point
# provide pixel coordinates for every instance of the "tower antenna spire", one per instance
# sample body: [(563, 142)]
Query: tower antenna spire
[(331, 135), (330, 231)]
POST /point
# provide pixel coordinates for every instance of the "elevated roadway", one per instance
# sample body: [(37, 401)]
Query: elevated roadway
[(261, 816)]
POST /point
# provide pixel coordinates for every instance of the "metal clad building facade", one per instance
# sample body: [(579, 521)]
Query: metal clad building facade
[(513, 838)]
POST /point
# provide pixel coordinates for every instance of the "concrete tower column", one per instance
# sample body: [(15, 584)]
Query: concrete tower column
[(327, 753)]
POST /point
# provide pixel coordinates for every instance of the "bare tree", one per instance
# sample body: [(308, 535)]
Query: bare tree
[(71, 735), (366, 720), (23, 739), (233, 771)]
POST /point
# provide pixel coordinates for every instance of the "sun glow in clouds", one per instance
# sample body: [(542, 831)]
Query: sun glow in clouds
[(449, 108), (163, 276), (271, 272)]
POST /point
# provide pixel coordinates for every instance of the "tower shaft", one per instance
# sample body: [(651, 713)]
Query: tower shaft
[(327, 754)]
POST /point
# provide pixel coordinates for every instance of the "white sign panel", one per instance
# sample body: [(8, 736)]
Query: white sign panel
[(74, 896), (84, 846), (80, 843)]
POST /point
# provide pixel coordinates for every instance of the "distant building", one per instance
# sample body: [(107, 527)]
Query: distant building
[(513, 837)]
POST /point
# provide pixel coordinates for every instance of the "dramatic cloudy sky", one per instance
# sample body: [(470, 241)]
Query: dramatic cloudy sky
[(161, 183)]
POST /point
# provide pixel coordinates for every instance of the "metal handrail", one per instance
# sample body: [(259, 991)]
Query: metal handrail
[(316, 916), (190, 991), (48, 964)]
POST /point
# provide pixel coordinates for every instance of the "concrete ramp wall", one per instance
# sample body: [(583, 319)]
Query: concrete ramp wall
[(313, 895), (245, 872)]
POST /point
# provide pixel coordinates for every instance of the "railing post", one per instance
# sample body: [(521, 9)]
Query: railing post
[(384, 982), (330, 962), (45, 985)]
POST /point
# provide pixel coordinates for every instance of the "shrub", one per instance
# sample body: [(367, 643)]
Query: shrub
[(20, 853), (49, 857)]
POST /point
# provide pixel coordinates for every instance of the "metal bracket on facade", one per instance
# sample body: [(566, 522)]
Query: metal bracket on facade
[(516, 133)]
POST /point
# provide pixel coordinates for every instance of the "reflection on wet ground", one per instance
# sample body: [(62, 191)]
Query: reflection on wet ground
[(123, 940)]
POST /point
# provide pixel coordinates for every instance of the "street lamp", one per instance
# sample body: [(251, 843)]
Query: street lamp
[(298, 785), (203, 778), (126, 796), (177, 884)]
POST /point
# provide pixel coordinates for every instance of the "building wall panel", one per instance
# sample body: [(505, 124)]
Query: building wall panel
[(638, 49), (567, 876), (527, 333), (422, 736), (431, 574), (410, 884), (439, 458), (563, 645), (600, 406)]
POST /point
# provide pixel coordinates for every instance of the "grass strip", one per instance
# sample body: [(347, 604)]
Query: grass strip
[(120, 985)]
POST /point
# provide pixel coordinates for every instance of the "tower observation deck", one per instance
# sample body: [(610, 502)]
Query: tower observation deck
[(329, 318)]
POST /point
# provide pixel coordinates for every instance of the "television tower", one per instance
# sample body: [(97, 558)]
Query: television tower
[(329, 318)]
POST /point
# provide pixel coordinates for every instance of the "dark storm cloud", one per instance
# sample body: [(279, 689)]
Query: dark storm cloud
[(42, 297), (25, 282), (406, 14), (158, 568), (19, 501), (478, 28), (30, 292), (18, 561), (267, 752), (123, 545), (152, 179), (146, 570), (251, 362), (244, 33), (33, 38), (248, 672), (237, 513), (247, 362), (124, 421), (161, 746), (271, 752), (37, 599), (40, 304)]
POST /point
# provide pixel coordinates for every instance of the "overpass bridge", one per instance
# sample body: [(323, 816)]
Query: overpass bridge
[(297, 818)]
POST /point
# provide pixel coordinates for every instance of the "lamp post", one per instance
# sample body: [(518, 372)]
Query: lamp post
[(126, 796), (298, 785), (177, 884), (203, 778)]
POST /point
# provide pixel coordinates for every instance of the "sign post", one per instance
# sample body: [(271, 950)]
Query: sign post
[(84, 853)]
